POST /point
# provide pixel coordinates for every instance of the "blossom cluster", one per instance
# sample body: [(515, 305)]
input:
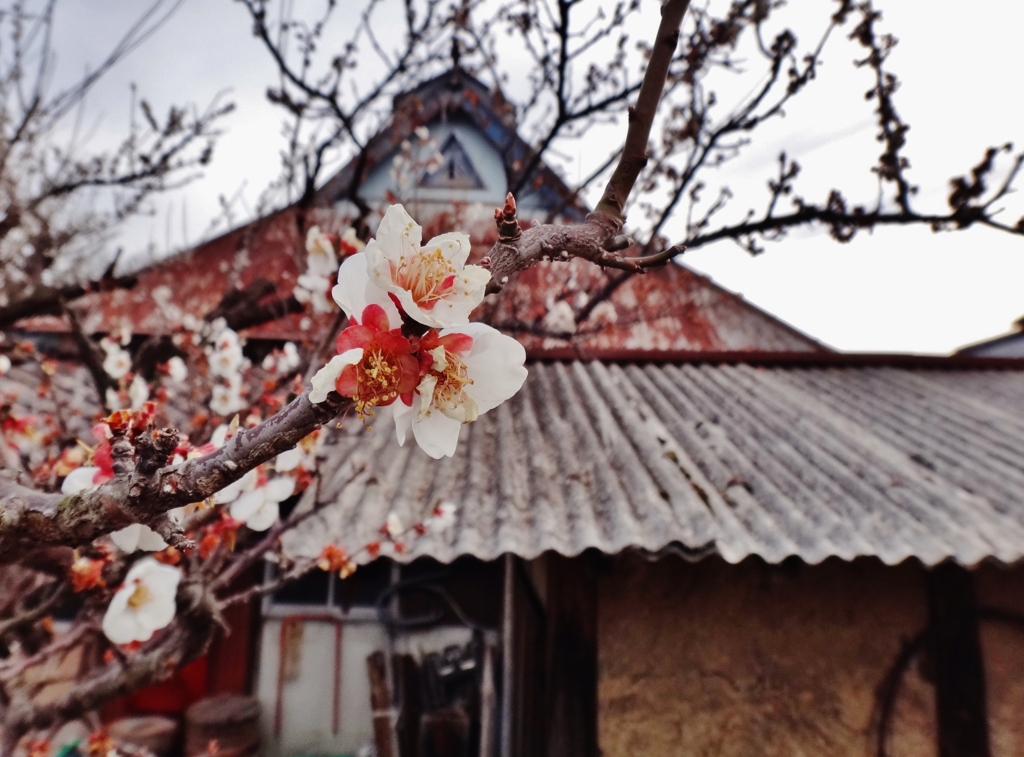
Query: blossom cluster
[(314, 286), (409, 343), (392, 539), (145, 602), (225, 358)]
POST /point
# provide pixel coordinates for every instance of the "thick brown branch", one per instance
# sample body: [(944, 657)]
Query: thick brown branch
[(30, 519), (598, 240)]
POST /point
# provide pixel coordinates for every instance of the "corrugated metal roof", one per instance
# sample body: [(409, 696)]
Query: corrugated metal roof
[(893, 462)]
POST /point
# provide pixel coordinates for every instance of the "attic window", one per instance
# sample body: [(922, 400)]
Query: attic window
[(456, 170)]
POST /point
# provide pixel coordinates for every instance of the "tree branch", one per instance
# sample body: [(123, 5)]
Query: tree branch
[(599, 239)]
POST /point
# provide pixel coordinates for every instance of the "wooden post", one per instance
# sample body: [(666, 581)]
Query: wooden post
[(380, 704), (571, 657), (959, 667)]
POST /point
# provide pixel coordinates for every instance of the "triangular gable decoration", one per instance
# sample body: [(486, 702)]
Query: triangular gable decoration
[(455, 172)]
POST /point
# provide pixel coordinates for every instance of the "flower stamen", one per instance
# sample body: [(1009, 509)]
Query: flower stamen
[(141, 596), (378, 375), (428, 276)]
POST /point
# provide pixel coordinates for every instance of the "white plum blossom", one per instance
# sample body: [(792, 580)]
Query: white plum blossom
[(432, 283), (320, 256), (282, 361), (475, 368), (314, 285), (177, 371), (111, 399), (393, 525), (227, 399), (117, 362), (225, 354), (138, 536), (259, 508), (442, 518), (315, 290), (560, 319), (144, 604), (5, 364), (138, 392)]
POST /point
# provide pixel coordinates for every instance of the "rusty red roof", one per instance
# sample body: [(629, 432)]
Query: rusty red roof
[(668, 309), (671, 308)]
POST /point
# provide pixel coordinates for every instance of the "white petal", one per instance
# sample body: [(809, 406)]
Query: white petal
[(150, 540), (149, 570), (111, 400), (466, 411), (437, 435), (404, 416), (397, 235), (230, 492), (467, 292), (279, 489), (220, 435), (79, 480), (177, 371), (138, 536), (264, 517), (289, 460), (127, 538), (117, 363), (138, 392), (355, 290), (156, 614), (495, 364), (394, 525), (425, 393), (248, 504), (120, 626), (321, 303), (320, 253), (324, 380), (454, 245)]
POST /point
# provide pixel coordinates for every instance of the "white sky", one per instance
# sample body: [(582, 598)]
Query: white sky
[(902, 290)]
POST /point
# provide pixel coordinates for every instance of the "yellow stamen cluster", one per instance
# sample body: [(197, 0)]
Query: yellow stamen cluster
[(449, 391), (378, 381), (424, 275), (140, 596)]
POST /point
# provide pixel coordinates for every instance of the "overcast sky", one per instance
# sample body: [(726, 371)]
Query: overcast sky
[(901, 290)]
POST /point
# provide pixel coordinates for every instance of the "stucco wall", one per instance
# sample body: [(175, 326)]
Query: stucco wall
[(752, 659), (1002, 644)]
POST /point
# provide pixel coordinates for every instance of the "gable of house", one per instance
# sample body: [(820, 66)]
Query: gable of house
[(473, 129)]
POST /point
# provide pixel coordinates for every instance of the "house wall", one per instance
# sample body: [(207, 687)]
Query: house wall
[(752, 659), (1002, 589)]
